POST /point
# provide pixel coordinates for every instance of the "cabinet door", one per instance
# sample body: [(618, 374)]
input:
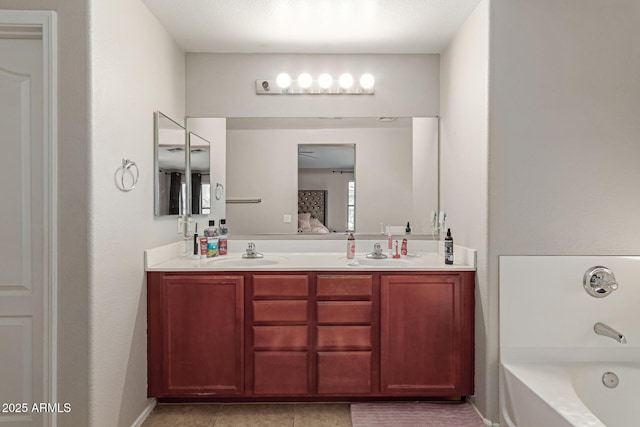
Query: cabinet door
[(426, 335), (203, 335)]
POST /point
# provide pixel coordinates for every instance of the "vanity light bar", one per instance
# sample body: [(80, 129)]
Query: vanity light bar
[(325, 84)]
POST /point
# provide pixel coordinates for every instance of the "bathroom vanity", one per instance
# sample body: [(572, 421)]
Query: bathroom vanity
[(309, 329)]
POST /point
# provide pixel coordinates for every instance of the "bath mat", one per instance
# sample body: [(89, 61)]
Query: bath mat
[(414, 414)]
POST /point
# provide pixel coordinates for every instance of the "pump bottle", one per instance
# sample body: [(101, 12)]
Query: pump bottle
[(448, 248)]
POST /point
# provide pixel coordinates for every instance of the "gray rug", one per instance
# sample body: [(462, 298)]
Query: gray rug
[(414, 414)]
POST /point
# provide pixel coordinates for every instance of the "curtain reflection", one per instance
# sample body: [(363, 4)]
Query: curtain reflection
[(174, 193)]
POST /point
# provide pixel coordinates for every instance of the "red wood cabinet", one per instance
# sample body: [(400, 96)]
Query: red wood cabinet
[(196, 335), (427, 334), (310, 335)]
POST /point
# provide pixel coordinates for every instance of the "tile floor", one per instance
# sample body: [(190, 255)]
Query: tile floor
[(245, 415)]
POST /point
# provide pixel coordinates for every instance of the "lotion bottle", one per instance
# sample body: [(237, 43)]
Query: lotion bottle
[(351, 246)]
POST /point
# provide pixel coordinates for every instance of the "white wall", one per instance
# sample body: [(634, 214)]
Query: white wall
[(136, 68), (223, 85), (527, 336), (213, 130), (564, 130), (464, 179), (383, 176), (337, 187), (425, 173), (72, 268)]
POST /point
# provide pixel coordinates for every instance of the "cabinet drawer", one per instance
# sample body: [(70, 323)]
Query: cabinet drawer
[(344, 337), (344, 312), (281, 372), (280, 337), (280, 311), (280, 286), (350, 286), (344, 372)]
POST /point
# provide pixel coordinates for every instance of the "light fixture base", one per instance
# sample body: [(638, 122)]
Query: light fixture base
[(270, 87)]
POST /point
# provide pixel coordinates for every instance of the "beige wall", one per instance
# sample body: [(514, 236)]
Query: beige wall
[(464, 178), (136, 68), (223, 85), (213, 130)]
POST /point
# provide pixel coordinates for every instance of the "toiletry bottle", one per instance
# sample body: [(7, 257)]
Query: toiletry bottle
[(408, 229), (223, 227), (448, 248), (211, 233), (203, 247), (222, 245), (351, 246), (211, 230), (396, 255), (222, 239), (403, 249), (389, 241), (212, 246)]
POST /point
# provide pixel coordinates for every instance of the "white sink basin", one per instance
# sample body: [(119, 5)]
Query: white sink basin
[(245, 262), (386, 262)]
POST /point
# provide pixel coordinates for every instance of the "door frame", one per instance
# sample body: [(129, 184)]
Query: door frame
[(32, 22)]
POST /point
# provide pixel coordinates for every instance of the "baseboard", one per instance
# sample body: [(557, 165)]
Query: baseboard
[(143, 416), (486, 422)]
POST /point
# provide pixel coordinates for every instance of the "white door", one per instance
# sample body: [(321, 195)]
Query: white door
[(23, 250)]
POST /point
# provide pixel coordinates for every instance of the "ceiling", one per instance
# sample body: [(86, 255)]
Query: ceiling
[(312, 26), (326, 156)]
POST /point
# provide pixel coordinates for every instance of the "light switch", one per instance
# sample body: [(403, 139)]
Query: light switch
[(286, 219)]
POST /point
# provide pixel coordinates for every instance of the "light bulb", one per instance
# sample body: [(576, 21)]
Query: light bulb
[(345, 81), (325, 81), (304, 80), (366, 81), (283, 80)]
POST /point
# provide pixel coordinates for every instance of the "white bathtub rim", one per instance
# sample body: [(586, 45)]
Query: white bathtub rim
[(617, 353), (552, 383)]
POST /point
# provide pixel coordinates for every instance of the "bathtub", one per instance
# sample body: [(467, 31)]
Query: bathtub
[(559, 394)]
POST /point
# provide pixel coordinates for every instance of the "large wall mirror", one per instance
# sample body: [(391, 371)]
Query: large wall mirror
[(170, 167), (393, 178)]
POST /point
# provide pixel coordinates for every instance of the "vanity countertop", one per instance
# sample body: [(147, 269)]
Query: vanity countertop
[(167, 258)]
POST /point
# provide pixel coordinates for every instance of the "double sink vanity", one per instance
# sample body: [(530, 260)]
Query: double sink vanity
[(305, 323)]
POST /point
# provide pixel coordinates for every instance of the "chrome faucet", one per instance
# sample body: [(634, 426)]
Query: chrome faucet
[(251, 252), (606, 330), (377, 252)]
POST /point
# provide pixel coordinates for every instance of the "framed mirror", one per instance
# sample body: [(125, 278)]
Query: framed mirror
[(200, 168), (170, 165)]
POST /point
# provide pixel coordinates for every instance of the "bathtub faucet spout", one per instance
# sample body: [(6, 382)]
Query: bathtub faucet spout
[(606, 330)]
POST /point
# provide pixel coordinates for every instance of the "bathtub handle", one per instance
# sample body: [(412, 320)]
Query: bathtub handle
[(599, 281)]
